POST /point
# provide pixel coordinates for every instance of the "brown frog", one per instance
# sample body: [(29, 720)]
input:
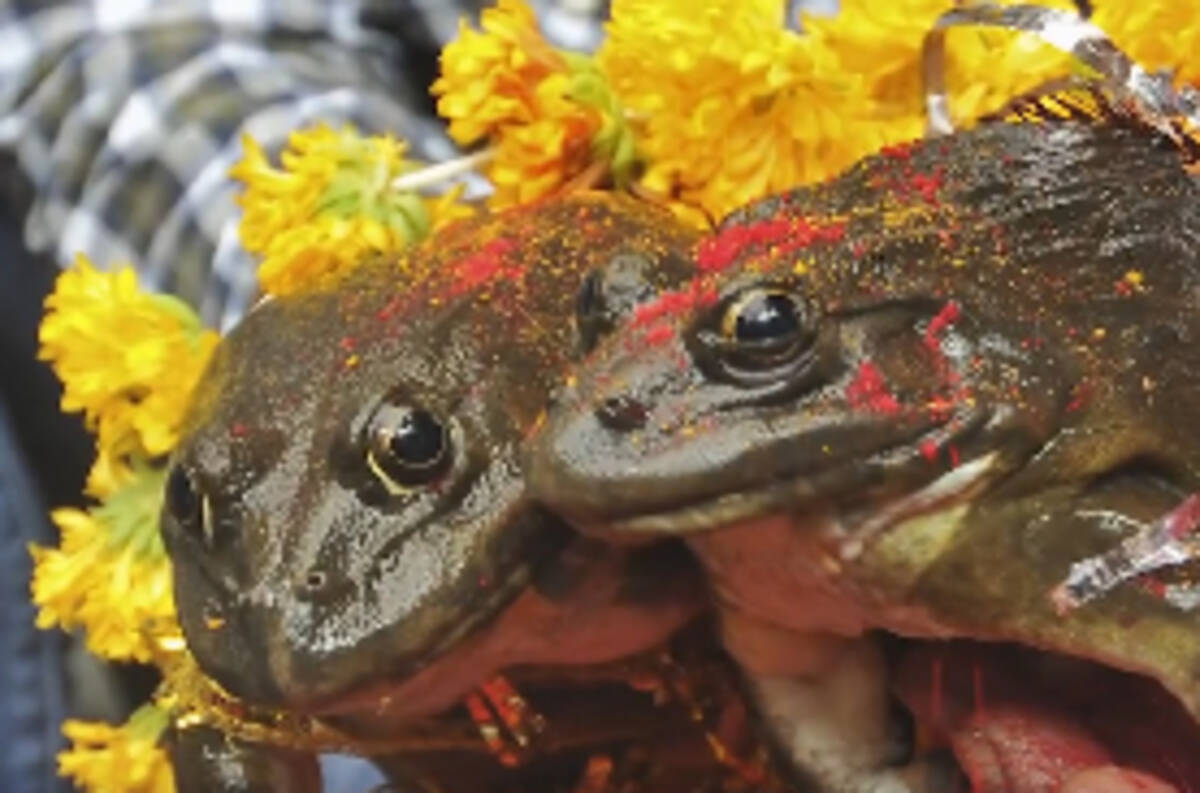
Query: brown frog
[(914, 398), (346, 514)]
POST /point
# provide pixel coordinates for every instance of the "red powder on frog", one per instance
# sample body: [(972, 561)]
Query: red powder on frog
[(391, 309), (1079, 396), (927, 185), (675, 303), (1153, 586), (487, 264), (944, 319), (929, 450), (899, 151), (1184, 519), (659, 334), (787, 235), (868, 391)]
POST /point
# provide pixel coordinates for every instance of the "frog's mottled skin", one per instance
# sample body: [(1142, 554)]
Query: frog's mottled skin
[(304, 581), (995, 373)]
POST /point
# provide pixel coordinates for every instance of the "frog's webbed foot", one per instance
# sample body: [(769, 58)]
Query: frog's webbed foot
[(207, 761), (1170, 541), (832, 716)]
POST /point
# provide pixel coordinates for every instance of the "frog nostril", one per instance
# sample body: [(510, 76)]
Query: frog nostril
[(622, 413), (313, 585)]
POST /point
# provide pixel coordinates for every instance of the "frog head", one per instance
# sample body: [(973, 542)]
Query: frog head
[(847, 344), (953, 370), (348, 503)]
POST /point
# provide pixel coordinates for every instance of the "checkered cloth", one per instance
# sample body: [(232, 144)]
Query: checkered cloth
[(126, 115)]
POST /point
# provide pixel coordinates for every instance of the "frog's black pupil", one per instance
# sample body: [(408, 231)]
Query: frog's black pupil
[(766, 317), (417, 439), (182, 500)]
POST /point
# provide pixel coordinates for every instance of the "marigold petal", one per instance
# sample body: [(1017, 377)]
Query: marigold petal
[(118, 759), (109, 574), (127, 359)]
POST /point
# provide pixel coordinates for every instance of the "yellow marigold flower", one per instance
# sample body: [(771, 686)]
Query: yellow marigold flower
[(127, 359), (549, 114), (126, 759), (985, 67), (487, 75), (330, 205), (729, 104), (533, 159), (1158, 34), (110, 574)]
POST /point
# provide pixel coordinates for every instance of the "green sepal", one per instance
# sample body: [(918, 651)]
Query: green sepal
[(614, 142), (131, 513)]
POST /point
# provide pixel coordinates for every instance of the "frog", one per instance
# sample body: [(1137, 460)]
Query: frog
[(346, 514), (911, 399)]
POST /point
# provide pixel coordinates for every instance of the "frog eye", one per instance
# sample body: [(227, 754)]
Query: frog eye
[(189, 507), (761, 335), (406, 446), (760, 316)]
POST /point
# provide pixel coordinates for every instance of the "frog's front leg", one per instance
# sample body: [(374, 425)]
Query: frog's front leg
[(825, 702), (207, 761)]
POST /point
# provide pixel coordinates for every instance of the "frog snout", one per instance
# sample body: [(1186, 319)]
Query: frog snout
[(622, 413)]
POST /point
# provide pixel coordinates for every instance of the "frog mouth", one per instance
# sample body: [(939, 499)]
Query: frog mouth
[(912, 486), (574, 606), (1016, 717), (438, 660)]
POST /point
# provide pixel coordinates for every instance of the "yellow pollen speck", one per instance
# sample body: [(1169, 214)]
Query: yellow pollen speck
[(1099, 333), (1135, 278), (214, 623), (172, 644), (800, 267), (825, 449), (352, 361)]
